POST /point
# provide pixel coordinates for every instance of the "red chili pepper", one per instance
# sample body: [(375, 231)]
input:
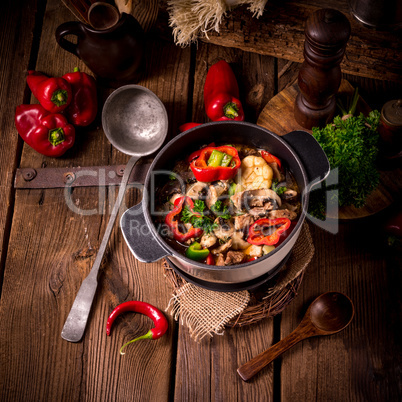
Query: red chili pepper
[(210, 259), (252, 259), (160, 321), (221, 94), (47, 133), (84, 105), (197, 153), (187, 126), (205, 173), (54, 94), (269, 158), (256, 232), (174, 223)]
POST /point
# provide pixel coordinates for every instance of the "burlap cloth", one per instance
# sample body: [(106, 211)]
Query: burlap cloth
[(207, 312)]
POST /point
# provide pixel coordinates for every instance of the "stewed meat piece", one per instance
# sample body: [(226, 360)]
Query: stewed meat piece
[(221, 249), (243, 221), (234, 257), (255, 198), (208, 240), (282, 213)]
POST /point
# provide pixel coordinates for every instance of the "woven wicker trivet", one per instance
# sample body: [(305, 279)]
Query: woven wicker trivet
[(277, 294)]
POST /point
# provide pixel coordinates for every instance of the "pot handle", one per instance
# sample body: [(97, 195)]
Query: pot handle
[(308, 149), (139, 237)]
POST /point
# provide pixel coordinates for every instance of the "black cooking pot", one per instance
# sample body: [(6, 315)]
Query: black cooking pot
[(304, 157)]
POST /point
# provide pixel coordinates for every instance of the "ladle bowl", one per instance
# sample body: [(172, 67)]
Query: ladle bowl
[(329, 313), (135, 122)]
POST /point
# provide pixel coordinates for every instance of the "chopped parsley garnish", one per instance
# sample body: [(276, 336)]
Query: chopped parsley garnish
[(197, 218), (220, 210), (278, 190)]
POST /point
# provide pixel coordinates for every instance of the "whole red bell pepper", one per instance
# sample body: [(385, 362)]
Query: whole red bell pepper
[(84, 105), (221, 94), (54, 94), (256, 233), (172, 220), (205, 173), (187, 126), (47, 133)]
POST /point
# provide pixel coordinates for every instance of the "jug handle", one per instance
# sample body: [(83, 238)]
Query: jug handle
[(69, 28)]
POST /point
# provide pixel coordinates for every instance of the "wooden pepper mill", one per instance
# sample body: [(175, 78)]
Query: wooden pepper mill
[(327, 32)]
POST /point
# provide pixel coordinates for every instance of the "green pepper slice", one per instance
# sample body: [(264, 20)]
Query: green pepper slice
[(215, 158), (226, 160), (196, 252)]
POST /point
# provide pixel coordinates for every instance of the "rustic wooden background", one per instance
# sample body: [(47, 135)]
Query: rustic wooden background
[(47, 250)]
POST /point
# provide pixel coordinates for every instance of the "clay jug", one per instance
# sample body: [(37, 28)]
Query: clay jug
[(113, 54)]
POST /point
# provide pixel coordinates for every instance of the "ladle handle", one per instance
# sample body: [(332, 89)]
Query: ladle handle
[(257, 363), (76, 322)]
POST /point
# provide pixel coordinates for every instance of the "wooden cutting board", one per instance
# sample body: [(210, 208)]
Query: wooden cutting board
[(277, 116)]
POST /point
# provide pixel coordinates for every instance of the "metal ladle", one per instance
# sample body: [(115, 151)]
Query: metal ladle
[(135, 122), (328, 314)]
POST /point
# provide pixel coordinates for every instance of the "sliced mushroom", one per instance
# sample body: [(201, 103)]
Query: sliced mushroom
[(215, 190), (224, 247), (258, 212), (208, 240), (243, 221), (282, 213), (225, 229), (289, 195), (255, 198), (212, 196), (277, 173), (197, 190), (237, 241), (234, 257)]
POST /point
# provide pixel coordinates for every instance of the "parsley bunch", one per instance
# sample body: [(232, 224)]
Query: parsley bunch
[(351, 145)]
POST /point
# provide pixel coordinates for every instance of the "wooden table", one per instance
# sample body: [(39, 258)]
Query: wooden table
[(47, 250)]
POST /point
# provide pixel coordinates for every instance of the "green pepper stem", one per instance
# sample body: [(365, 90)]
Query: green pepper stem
[(59, 97), (56, 136), (148, 335), (76, 69), (230, 110)]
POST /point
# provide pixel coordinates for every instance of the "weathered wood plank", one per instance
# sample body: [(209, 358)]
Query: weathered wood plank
[(15, 46), (52, 249), (361, 363), (279, 32)]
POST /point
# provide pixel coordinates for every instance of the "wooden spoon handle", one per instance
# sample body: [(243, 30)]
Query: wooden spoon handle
[(257, 363)]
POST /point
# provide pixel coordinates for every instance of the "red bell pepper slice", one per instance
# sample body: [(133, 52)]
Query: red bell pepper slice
[(205, 173), (173, 222), (47, 133), (256, 232), (221, 94), (197, 153), (54, 94), (84, 104), (269, 158), (210, 259)]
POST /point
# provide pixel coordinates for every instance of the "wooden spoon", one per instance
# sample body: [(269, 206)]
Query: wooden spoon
[(328, 314)]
